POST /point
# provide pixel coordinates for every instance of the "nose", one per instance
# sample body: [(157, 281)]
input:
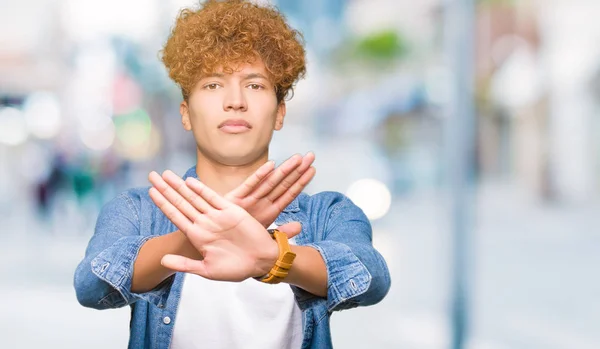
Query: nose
[(235, 100)]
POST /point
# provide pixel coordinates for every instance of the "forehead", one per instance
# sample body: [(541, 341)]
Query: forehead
[(255, 69)]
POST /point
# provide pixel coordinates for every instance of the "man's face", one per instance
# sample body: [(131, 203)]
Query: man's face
[(232, 116)]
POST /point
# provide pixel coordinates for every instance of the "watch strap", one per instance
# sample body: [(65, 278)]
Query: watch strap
[(284, 261)]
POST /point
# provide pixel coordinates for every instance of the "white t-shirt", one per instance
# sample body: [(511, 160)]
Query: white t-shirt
[(247, 314)]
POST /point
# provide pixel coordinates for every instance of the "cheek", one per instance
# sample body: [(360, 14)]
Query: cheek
[(201, 116), (269, 106)]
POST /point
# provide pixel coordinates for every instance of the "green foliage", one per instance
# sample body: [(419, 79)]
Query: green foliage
[(384, 45)]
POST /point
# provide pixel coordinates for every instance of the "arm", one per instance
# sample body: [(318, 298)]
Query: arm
[(357, 275), (264, 195), (309, 271), (148, 272), (103, 278)]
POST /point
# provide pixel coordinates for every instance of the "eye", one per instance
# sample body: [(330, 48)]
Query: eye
[(212, 86), (255, 87)]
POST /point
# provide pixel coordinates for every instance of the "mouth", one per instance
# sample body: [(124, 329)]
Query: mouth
[(235, 126)]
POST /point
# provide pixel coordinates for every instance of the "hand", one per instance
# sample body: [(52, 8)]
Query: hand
[(267, 192), (234, 245)]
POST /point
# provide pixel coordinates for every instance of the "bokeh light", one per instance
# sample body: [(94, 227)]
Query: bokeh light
[(13, 129), (136, 138), (372, 196), (42, 115), (98, 139)]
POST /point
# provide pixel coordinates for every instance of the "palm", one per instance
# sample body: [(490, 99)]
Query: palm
[(233, 244), (223, 260), (229, 231), (223, 221), (263, 210)]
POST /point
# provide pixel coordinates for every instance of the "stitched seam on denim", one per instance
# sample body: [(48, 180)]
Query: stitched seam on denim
[(133, 252), (131, 206), (338, 206), (326, 260), (308, 325), (157, 328), (336, 291), (119, 281), (111, 304), (323, 317), (174, 317), (338, 296), (341, 299), (108, 282), (357, 293)]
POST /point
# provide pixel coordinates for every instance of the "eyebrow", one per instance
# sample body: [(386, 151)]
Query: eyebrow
[(244, 77), (254, 76), (214, 75)]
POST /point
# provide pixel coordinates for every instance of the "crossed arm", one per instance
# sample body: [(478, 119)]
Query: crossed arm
[(224, 238)]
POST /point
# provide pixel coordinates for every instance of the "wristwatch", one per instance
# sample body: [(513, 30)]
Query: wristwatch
[(284, 261)]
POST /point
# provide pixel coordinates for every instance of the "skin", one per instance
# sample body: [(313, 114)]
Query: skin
[(222, 216)]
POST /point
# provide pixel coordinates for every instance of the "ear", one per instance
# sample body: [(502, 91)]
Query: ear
[(280, 116), (185, 115)]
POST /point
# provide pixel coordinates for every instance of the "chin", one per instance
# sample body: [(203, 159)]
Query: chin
[(234, 154), (235, 158)]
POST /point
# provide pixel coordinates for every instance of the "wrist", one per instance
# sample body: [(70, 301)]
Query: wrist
[(184, 247), (267, 262), (285, 257)]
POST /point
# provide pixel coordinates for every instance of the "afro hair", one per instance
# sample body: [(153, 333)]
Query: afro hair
[(227, 33)]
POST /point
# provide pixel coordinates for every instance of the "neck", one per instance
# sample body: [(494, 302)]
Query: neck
[(224, 178)]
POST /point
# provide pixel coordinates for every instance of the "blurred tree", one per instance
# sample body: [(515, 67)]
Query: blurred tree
[(377, 49)]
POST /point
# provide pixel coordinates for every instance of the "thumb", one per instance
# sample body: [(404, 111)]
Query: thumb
[(184, 264), (290, 229)]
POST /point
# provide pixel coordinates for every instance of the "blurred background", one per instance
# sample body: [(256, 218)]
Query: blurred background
[(87, 110)]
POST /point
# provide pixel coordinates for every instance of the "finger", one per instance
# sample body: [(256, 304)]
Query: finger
[(210, 196), (170, 211), (277, 176), (184, 264), (173, 196), (251, 182), (291, 178), (284, 200), (290, 229), (178, 184)]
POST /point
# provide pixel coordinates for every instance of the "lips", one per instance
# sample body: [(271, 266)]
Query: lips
[(235, 126), (235, 123)]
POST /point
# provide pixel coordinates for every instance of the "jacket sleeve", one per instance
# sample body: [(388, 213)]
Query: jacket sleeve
[(103, 278), (357, 273)]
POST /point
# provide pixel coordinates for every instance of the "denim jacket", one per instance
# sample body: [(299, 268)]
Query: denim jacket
[(331, 223)]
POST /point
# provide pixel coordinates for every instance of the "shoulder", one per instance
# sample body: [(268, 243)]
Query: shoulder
[(324, 198), (139, 194), (128, 202), (330, 203)]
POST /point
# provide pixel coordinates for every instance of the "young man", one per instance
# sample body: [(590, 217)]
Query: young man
[(193, 256)]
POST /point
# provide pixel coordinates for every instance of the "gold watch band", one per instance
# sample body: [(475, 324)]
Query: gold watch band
[(284, 262)]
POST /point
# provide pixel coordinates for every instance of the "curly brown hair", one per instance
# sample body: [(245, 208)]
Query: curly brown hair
[(227, 33)]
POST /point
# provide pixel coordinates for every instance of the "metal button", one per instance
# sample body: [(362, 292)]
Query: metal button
[(166, 320)]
